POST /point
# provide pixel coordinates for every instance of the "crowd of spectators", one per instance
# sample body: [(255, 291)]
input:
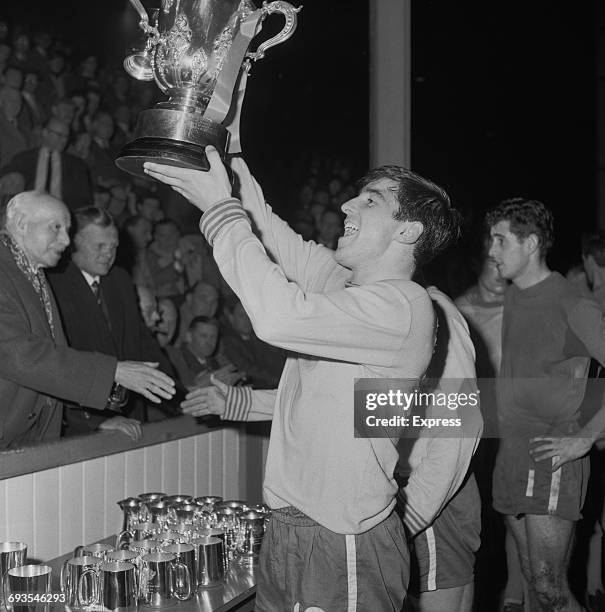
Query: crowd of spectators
[(63, 121)]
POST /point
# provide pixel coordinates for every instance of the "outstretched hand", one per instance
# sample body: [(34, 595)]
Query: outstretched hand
[(206, 400), (143, 377), (202, 189)]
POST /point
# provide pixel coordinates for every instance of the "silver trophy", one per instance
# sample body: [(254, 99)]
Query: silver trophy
[(197, 51)]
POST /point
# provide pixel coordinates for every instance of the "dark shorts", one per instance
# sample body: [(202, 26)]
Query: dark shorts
[(524, 486), (304, 565), (444, 554)]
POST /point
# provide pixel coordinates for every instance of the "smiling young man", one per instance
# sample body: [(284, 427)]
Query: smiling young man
[(334, 541), (549, 333)]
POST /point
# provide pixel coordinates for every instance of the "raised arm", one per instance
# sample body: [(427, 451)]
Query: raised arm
[(310, 265)]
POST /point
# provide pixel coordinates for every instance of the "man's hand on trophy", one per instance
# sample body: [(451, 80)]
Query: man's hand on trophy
[(201, 188)]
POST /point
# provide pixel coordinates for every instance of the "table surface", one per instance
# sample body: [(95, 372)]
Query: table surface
[(239, 587)]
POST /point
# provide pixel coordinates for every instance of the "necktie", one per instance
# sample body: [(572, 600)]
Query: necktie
[(96, 289)]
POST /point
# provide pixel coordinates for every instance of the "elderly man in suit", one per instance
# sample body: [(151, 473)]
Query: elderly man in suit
[(99, 310), (37, 368), (49, 168)]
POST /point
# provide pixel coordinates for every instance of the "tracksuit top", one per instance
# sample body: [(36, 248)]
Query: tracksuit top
[(296, 296)]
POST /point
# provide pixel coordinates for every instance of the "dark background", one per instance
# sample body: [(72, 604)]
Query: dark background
[(503, 96)]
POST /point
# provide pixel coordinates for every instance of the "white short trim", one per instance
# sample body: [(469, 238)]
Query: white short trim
[(432, 547), (555, 487), (529, 492), (351, 573)]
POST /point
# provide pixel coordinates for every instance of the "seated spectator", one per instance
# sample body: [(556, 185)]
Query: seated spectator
[(202, 300), (12, 139), (164, 260), (33, 106), (198, 261), (331, 228), (57, 82), (149, 206), (11, 184), (122, 133), (195, 360), (261, 362), (168, 324), (101, 156), (49, 168), (133, 250), (64, 110), (148, 307)]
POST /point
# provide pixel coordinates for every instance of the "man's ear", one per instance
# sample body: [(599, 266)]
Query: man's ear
[(19, 221), (532, 243), (409, 232), (188, 337)]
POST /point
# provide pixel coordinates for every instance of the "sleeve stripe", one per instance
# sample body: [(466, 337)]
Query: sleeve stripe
[(219, 215), (238, 404)]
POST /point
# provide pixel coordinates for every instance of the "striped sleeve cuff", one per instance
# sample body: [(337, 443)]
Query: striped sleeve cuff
[(238, 404), (219, 215)]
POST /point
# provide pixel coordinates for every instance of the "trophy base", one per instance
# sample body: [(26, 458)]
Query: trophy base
[(174, 137), (161, 151)]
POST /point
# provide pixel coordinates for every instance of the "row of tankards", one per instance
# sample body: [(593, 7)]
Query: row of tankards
[(169, 547)]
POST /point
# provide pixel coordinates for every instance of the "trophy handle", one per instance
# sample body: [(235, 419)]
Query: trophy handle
[(139, 65), (289, 13)]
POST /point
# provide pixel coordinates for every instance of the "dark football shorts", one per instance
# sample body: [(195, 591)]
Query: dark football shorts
[(523, 486), (444, 554), (306, 566)]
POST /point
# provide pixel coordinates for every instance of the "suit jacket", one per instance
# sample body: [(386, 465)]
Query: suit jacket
[(36, 371), (123, 335), (12, 142), (74, 176)]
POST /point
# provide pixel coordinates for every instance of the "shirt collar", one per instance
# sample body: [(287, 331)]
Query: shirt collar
[(90, 279)]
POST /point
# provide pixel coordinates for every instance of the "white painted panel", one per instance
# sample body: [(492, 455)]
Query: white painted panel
[(170, 455), (3, 512), (47, 513), (20, 515), (215, 463), (71, 520), (115, 486), (186, 448), (93, 499), (76, 504), (230, 460), (153, 469), (135, 472)]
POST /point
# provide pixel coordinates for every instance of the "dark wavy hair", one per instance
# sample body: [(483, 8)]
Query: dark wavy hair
[(424, 201), (525, 217)]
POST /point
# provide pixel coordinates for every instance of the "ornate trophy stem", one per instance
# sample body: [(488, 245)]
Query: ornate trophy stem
[(194, 52)]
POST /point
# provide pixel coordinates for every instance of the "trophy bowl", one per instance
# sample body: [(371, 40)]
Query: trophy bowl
[(197, 53)]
